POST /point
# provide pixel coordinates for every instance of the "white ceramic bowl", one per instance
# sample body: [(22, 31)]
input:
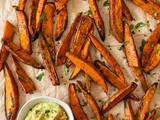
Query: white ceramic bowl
[(31, 103)]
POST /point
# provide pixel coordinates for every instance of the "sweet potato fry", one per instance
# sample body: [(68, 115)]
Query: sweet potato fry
[(149, 7), (47, 28), (60, 4), (39, 15), (75, 104), (139, 73), (88, 68), (21, 4), (25, 82), (129, 114), (24, 36), (21, 54), (110, 117), (80, 36), (130, 47), (117, 97), (83, 55), (97, 18), (11, 95), (151, 116), (47, 60), (112, 78), (116, 22), (125, 12), (87, 77), (154, 59), (148, 47), (8, 34), (32, 19), (64, 46), (61, 25), (145, 102), (107, 55), (92, 102)]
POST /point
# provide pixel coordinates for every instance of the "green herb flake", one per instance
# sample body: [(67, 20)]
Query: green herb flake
[(101, 56), (136, 80), (85, 40), (148, 114), (114, 89), (47, 111), (79, 90), (66, 71), (143, 42), (158, 108), (103, 63), (144, 53), (106, 3), (110, 32), (147, 23), (53, 57), (39, 77), (84, 104), (102, 102), (42, 17), (89, 12), (30, 93), (34, 10), (109, 103), (158, 50), (131, 26), (21, 77), (140, 24), (88, 77), (155, 13)]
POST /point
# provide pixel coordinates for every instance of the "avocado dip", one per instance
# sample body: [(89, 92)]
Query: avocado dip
[(46, 111)]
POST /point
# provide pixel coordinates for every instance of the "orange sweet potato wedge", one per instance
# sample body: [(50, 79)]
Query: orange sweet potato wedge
[(112, 78), (21, 4), (61, 25), (150, 43), (154, 59), (125, 12), (47, 28), (90, 69), (97, 18), (110, 117), (49, 65), (145, 102), (130, 47), (129, 114), (116, 21), (87, 77), (21, 54), (24, 36), (39, 14), (11, 95), (151, 116), (23, 79), (107, 55), (117, 97), (75, 104), (83, 55), (8, 34), (32, 20), (60, 4), (92, 102), (149, 7), (64, 46), (139, 73), (80, 36)]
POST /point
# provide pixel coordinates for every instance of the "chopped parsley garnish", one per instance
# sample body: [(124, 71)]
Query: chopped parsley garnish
[(85, 40), (79, 90), (158, 50), (106, 3), (84, 104), (89, 12), (30, 93), (39, 77), (22, 77), (109, 103), (131, 26), (66, 71), (42, 17), (143, 42), (155, 13), (136, 80), (53, 57), (140, 24), (89, 78)]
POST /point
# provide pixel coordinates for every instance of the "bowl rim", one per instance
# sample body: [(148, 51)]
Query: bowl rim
[(33, 101)]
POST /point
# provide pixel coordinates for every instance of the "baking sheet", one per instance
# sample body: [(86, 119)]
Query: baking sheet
[(44, 87)]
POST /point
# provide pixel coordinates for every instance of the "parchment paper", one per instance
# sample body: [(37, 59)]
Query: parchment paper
[(45, 88)]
